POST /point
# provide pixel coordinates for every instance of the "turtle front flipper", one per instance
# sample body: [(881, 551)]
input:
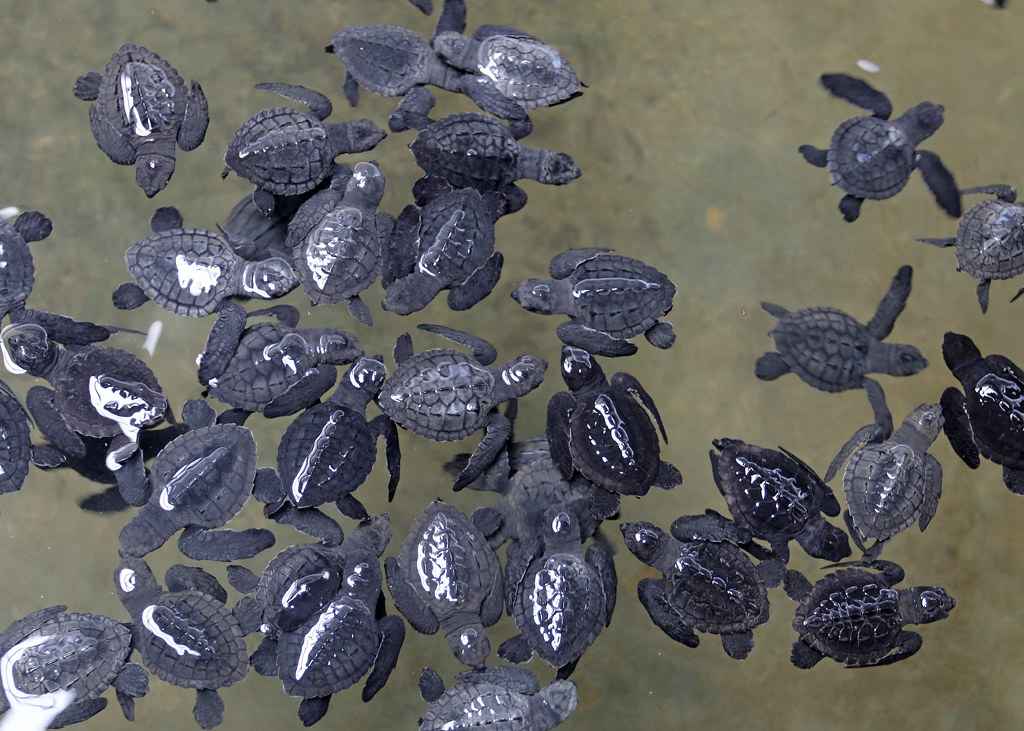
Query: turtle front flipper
[(311, 521), (560, 409), (478, 285), (630, 383), (655, 597), (407, 601), (222, 341), (859, 92), (892, 303), (392, 631), (498, 429), (593, 341), (225, 544), (303, 393), (129, 296), (939, 181), (770, 366), (487, 96), (876, 397), (197, 118), (112, 142), (957, 427), (738, 645)]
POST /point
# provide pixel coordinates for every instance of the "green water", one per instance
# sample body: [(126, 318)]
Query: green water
[(687, 136)]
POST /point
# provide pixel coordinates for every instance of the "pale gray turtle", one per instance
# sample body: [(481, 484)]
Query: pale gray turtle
[(831, 351), (890, 483), (190, 271), (445, 395), (283, 151), (561, 598), (990, 239), (142, 110), (83, 653), (339, 241), (499, 698), (856, 616), (446, 577), (872, 157), (609, 299)]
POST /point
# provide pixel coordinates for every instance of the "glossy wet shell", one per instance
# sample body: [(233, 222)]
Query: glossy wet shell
[(619, 295), (885, 487), (456, 237), (284, 571), (72, 386), (439, 394), (155, 93), (325, 454), (990, 240), (468, 149), (15, 444), (385, 59), (527, 70), (613, 442), (994, 390), (17, 270), (193, 641), (479, 705), (340, 256), (185, 271), (281, 150), (82, 653), (825, 347), (537, 486), (851, 616), (870, 158)]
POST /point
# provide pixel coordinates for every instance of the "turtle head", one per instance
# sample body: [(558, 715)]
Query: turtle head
[(136, 585), (524, 374), (558, 700), (367, 182), (28, 350), (644, 540), (469, 643), (268, 278), (959, 351), (579, 369), (896, 359), (367, 375), (450, 46), (930, 603), (536, 295), (821, 539), (336, 346), (927, 419), (152, 172), (557, 168)]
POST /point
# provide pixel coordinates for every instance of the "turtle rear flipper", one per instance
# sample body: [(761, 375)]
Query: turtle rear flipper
[(208, 709)]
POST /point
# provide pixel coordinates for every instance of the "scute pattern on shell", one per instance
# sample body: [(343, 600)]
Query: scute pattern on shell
[(621, 296), (824, 346), (870, 158)]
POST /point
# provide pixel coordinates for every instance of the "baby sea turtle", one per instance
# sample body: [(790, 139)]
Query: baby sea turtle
[(856, 616), (185, 634), (83, 653), (560, 598), (708, 584), (274, 368), (17, 270), (190, 271), (283, 151), (448, 244), (142, 110), (831, 351), (15, 441), (446, 577), (890, 483), (339, 240), (445, 395), (987, 419), (500, 697), (778, 498), (872, 157), (599, 429), (609, 299), (990, 240)]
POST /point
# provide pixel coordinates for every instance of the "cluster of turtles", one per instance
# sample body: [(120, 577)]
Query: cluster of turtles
[(321, 605)]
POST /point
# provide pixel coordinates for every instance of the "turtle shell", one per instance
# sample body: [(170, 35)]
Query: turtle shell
[(870, 157), (468, 149), (325, 454), (479, 705), (440, 394), (185, 271), (619, 295), (526, 69), (141, 95), (990, 240), (885, 487), (824, 346), (456, 236), (282, 150), (15, 442), (297, 584), (994, 388), (17, 270), (385, 59), (340, 256)]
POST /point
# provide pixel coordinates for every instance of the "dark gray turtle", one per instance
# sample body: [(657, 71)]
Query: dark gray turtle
[(142, 110), (601, 430), (15, 441), (50, 650), (190, 271), (445, 395), (831, 351), (448, 244), (890, 483), (274, 368), (560, 598), (446, 577), (499, 698), (990, 239), (872, 157), (987, 418), (328, 451), (339, 240), (856, 616), (18, 272), (708, 584), (609, 299), (185, 634), (778, 498), (287, 152)]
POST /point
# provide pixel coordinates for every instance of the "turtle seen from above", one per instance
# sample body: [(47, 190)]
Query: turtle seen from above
[(831, 351), (872, 157), (143, 109), (15, 441), (17, 270)]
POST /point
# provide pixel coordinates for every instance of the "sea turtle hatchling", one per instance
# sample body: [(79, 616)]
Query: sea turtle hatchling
[(51, 649), (15, 441), (142, 110), (857, 616), (872, 157), (831, 351), (987, 418), (990, 239), (609, 299), (446, 395), (890, 483), (499, 697), (17, 270)]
